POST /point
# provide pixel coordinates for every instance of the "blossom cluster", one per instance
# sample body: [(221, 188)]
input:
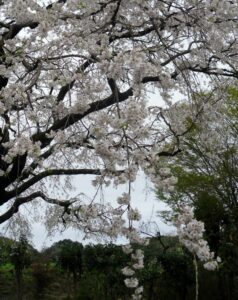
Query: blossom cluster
[(137, 263), (190, 232)]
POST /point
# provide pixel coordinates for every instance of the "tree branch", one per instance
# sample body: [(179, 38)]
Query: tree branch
[(15, 207), (36, 178), (22, 200)]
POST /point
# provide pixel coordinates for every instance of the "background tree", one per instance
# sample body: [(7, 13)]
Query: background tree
[(5, 249), (102, 266), (74, 83), (20, 258), (208, 181), (68, 256)]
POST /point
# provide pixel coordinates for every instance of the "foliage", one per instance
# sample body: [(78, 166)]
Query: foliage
[(42, 277), (20, 253), (207, 180), (168, 274), (20, 258), (67, 255), (5, 249)]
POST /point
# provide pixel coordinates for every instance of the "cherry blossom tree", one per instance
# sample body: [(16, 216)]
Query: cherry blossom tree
[(75, 80)]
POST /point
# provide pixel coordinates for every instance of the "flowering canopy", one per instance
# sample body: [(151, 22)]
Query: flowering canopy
[(74, 83)]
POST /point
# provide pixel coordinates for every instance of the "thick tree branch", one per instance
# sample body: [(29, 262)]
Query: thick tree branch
[(66, 88), (71, 119), (36, 178), (15, 207), (18, 165), (22, 200)]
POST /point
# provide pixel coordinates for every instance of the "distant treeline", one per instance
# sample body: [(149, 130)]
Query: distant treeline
[(69, 270)]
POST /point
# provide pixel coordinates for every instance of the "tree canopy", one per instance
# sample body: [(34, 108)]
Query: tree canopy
[(75, 78)]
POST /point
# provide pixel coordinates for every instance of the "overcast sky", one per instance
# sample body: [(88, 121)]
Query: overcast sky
[(143, 197)]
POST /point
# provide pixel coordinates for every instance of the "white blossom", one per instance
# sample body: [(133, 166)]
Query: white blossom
[(127, 271), (190, 233), (139, 290), (124, 199), (134, 214), (127, 249), (131, 282), (211, 265)]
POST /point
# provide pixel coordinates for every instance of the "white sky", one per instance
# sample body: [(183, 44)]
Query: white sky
[(143, 197)]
